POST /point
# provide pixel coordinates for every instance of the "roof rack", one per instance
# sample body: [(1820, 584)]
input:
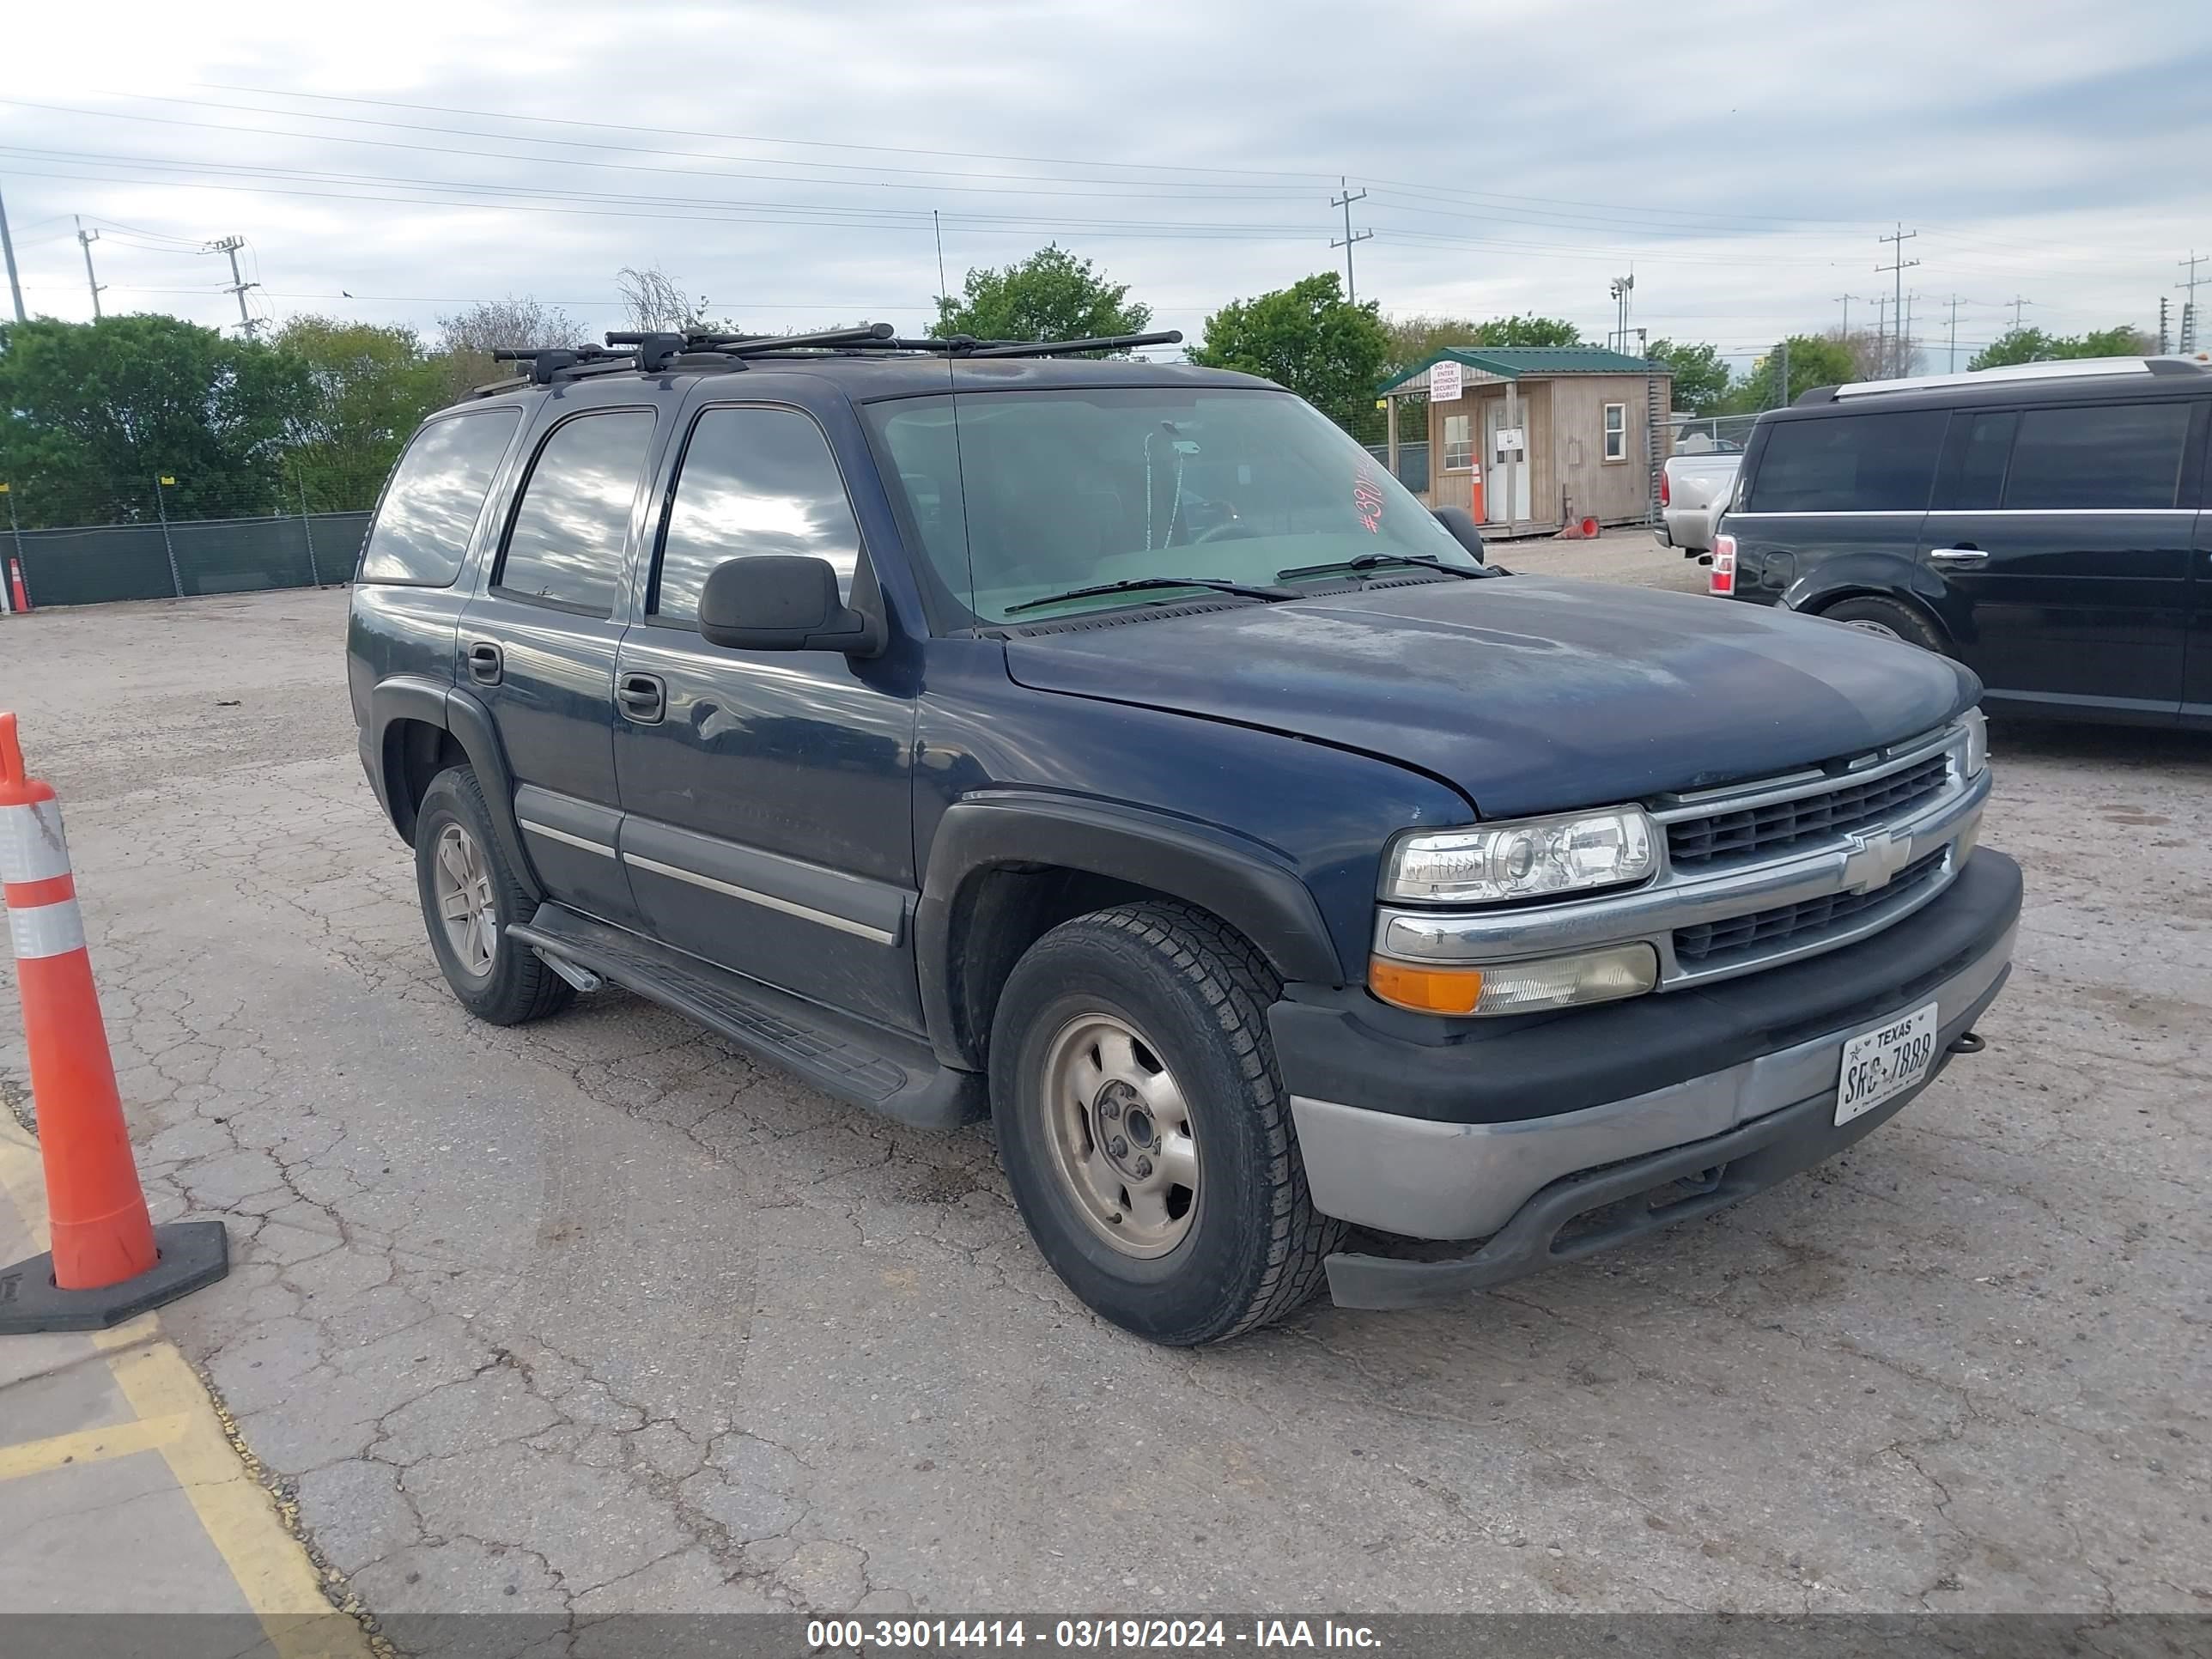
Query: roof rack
[(2062, 369), (655, 351)]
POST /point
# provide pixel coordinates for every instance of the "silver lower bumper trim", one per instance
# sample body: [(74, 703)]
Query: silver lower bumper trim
[(1425, 1180)]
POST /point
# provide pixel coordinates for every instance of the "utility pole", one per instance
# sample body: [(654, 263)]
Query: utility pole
[(246, 322), (1896, 267), (88, 237), (1622, 287), (2018, 306), (2164, 329), (1847, 299), (2189, 306), (1955, 335), (15, 285), (1352, 237)]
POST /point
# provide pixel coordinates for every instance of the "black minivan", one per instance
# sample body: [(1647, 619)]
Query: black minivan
[(2047, 524)]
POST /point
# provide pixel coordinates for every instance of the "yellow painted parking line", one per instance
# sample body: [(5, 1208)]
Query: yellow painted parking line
[(89, 1445), (174, 1415)]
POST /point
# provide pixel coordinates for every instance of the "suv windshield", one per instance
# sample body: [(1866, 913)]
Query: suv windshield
[(1077, 488)]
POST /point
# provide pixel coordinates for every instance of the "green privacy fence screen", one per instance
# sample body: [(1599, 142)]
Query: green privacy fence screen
[(96, 564)]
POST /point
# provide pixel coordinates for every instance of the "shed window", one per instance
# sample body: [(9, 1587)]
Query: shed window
[(1616, 432), (1459, 442)]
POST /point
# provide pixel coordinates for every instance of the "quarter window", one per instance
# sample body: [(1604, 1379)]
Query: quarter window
[(2114, 455), (1616, 432), (566, 545), (1459, 442), (1849, 463), (430, 509), (754, 482)]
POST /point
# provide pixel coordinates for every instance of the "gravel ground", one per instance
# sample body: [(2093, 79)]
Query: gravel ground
[(597, 1315)]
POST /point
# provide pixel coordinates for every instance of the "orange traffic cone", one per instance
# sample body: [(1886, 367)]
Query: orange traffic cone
[(109, 1263)]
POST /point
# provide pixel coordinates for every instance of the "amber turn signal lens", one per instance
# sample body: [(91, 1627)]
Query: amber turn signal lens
[(1425, 990)]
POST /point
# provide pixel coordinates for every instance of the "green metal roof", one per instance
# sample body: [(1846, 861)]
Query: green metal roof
[(1521, 362)]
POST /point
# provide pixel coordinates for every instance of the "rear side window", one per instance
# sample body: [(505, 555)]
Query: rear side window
[(1849, 463), (1983, 457), (422, 529), (753, 482), (566, 546), (2114, 455)]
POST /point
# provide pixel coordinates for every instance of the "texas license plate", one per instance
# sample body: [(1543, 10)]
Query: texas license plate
[(1885, 1061)]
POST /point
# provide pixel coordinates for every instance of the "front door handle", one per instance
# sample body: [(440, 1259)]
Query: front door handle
[(487, 663), (643, 697), (1957, 558)]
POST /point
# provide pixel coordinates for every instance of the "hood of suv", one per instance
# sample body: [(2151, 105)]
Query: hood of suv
[(1530, 694)]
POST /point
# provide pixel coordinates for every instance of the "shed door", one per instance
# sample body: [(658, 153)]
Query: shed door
[(1504, 473)]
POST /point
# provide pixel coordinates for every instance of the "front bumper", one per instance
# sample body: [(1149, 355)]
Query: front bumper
[(1739, 1090)]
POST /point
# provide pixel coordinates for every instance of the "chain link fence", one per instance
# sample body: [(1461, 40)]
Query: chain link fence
[(167, 538)]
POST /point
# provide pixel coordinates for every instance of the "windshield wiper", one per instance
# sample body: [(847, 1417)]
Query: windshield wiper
[(1242, 589), (1373, 561)]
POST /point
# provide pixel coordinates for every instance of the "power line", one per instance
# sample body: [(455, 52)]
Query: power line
[(1351, 238)]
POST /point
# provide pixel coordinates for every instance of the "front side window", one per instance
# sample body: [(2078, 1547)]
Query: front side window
[(1848, 464), (753, 482), (1459, 442), (430, 509), (565, 548), (1616, 432), (2114, 455), (1019, 496)]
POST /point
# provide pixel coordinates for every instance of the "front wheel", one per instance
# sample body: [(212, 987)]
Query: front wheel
[(1144, 1131)]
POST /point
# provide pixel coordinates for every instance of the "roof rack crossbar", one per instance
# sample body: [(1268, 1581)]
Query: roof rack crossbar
[(1057, 348)]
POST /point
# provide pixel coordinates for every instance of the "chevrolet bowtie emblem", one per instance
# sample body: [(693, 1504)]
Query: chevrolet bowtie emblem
[(1875, 858)]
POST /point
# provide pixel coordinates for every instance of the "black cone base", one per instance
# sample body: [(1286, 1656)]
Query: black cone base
[(191, 1253)]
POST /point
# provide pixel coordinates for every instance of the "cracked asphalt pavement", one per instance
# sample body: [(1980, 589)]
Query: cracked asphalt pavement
[(597, 1315)]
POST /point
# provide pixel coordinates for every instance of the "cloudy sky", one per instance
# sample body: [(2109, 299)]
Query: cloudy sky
[(784, 160)]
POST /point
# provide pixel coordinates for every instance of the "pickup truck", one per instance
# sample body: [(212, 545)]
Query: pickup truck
[(1115, 750), (1693, 490)]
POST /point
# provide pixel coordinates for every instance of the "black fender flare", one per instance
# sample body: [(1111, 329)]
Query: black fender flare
[(1260, 895), (413, 697)]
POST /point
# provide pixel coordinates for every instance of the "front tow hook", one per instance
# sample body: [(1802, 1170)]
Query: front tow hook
[(1969, 1043)]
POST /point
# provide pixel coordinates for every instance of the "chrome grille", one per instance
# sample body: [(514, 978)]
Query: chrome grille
[(1784, 823), (1765, 931)]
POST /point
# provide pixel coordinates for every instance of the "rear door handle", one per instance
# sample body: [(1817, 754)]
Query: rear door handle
[(643, 697), (1957, 558), (487, 663)]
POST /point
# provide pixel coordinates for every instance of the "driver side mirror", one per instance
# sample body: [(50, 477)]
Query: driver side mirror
[(784, 601), (1463, 528)]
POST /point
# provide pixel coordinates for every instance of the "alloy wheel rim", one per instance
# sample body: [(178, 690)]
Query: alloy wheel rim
[(1881, 630), (460, 881)]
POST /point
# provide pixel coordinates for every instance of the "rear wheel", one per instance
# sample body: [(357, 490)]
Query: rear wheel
[(468, 896), (1892, 619), (1144, 1130)]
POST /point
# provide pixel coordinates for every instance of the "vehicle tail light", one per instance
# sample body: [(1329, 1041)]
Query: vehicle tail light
[(1723, 579), (1666, 496)]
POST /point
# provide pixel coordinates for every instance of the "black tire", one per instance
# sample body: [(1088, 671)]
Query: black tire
[(1197, 992), (1893, 616), (518, 985)]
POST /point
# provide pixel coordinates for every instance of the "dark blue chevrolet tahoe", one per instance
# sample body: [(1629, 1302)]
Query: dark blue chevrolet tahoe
[(1115, 749)]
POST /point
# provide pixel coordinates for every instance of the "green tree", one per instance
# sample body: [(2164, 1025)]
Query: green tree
[(1526, 330), (2034, 345), (1815, 360), (1306, 336), (1701, 377), (1050, 296), (91, 414), (367, 388)]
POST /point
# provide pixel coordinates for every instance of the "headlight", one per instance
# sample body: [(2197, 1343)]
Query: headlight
[(1530, 858), (1977, 741)]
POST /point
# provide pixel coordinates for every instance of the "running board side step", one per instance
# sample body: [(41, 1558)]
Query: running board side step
[(884, 1071)]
